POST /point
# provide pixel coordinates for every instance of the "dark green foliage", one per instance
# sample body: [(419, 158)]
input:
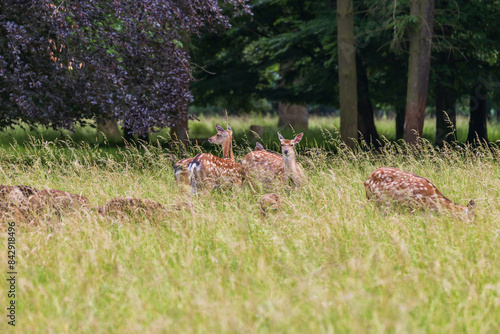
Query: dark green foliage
[(242, 66), (65, 62)]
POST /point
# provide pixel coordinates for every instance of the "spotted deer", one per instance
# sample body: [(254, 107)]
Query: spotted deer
[(220, 138), (292, 169), (264, 165), (210, 171), (388, 184)]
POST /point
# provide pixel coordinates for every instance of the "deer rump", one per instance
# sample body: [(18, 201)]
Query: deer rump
[(180, 170), (209, 171)]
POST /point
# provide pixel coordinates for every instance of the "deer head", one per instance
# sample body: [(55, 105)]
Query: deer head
[(224, 138), (221, 136), (291, 167), (288, 144)]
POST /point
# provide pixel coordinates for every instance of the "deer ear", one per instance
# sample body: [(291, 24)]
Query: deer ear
[(298, 138), (229, 129), (471, 205), (280, 136), (258, 146), (219, 128)]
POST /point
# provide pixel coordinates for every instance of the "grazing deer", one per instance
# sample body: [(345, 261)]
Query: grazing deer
[(392, 184), (209, 170), (220, 138)]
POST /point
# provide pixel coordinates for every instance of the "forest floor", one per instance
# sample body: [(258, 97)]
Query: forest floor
[(329, 261)]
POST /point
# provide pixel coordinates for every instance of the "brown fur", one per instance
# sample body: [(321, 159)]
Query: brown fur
[(58, 199), (388, 184), (210, 171), (270, 203), (25, 205), (222, 138), (266, 166)]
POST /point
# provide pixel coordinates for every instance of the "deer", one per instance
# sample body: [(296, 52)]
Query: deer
[(221, 138), (208, 170), (389, 184), (266, 165)]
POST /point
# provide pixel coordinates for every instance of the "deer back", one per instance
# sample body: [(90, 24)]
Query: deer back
[(222, 137), (392, 184), (207, 169), (261, 162)]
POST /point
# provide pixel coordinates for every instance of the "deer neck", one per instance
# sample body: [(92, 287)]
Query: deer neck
[(227, 148), (292, 169), (448, 204)]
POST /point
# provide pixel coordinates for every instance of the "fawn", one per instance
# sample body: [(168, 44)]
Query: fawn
[(220, 138), (209, 170), (265, 165), (392, 184)]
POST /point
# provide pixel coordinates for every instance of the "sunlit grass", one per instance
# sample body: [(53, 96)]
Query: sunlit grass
[(329, 262)]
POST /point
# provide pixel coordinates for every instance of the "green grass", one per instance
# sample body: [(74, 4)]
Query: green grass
[(322, 132), (329, 262)]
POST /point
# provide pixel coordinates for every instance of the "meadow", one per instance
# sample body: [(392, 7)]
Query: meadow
[(329, 262)]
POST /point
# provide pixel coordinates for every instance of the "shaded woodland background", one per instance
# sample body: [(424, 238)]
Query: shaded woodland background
[(149, 65)]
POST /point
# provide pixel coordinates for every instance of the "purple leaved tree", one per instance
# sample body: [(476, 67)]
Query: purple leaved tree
[(64, 63)]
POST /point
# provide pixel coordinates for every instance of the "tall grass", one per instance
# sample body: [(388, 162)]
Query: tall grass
[(330, 261), (322, 132)]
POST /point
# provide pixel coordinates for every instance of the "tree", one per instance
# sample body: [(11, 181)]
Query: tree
[(446, 97), (286, 53), (464, 60), (366, 123), (64, 62), (479, 108), (418, 68), (291, 114), (347, 72)]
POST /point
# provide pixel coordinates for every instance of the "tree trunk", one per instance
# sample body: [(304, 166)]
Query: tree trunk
[(446, 95), (294, 115), (347, 73), (418, 69), (478, 114), (290, 114), (179, 132), (400, 121), (446, 116), (366, 122), (110, 129)]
